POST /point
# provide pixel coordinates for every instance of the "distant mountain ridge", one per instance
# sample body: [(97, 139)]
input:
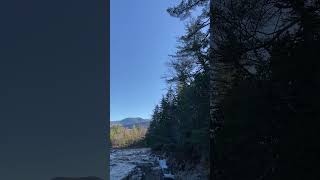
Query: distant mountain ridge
[(132, 121)]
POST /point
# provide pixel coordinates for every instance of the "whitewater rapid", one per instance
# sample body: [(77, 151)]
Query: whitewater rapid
[(124, 161)]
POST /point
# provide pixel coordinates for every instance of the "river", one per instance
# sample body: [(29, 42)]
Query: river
[(141, 164), (125, 162)]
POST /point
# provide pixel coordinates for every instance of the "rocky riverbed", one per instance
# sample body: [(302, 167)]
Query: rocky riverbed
[(133, 164), (142, 164)]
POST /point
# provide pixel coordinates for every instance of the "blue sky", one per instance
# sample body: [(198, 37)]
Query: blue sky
[(142, 36)]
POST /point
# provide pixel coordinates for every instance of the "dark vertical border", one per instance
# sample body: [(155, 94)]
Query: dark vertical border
[(108, 84), (54, 89), (105, 32)]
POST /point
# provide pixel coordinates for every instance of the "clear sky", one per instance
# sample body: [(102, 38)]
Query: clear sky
[(142, 36)]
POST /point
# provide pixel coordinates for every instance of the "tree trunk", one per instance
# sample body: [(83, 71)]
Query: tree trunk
[(211, 93)]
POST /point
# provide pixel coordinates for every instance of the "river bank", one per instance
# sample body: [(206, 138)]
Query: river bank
[(131, 163), (142, 164)]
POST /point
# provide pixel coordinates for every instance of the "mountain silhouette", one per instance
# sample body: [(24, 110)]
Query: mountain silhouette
[(132, 121)]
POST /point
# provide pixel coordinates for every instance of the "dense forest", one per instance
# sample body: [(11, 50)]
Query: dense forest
[(244, 85)]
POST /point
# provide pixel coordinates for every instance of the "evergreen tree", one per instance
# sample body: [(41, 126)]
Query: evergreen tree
[(249, 69)]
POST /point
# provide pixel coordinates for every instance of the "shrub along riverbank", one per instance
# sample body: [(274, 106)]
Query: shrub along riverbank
[(122, 137)]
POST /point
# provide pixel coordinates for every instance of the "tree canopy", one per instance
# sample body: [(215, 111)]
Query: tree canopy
[(258, 61)]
